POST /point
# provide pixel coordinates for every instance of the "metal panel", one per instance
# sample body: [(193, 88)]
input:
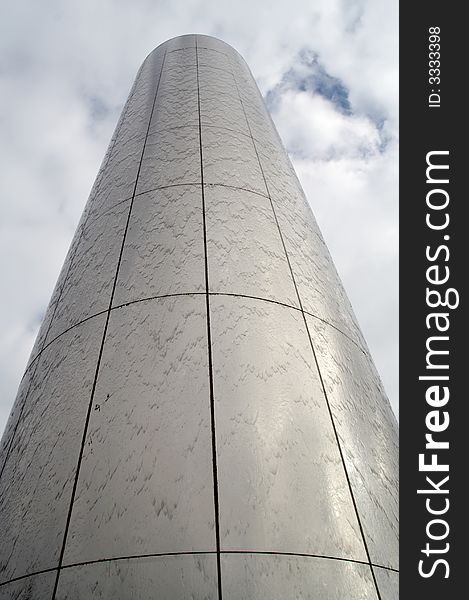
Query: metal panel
[(215, 58), (161, 578), (177, 102), (88, 287), (146, 480), (171, 157), (281, 482), (368, 435), (249, 576), (230, 159), (37, 481), (164, 246), (219, 102), (182, 58), (244, 247)]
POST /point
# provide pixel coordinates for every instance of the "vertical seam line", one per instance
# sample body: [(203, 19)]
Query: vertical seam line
[(209, 346), (88, 415), (312, 347)]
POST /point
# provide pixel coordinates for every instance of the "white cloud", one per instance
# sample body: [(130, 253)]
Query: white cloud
[(65, 71), (315, 128)]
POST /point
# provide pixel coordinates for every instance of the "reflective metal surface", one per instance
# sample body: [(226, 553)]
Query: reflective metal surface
[(230, 159), (162, 577), (219, 107), (164, 246), (171, 157), (200, 413), (177, 94), (282, 485), (145, 482), (244, 246), (248, 576)]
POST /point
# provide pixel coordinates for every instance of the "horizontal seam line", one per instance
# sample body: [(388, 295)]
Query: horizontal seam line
[(102, 312), (162, 296), (50, 570), (163, 187), (165, 129), (206, 183), (232, 294), (306, 555), (171, 185), (200, 48), (108, 210), (196, 553), (206, 125), (289, 306), (337, 329)]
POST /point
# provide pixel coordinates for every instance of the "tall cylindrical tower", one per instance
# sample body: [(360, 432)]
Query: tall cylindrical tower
[(200, 416)]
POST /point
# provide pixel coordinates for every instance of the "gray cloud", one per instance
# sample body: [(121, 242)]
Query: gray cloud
[(308, 75), (328, 69)]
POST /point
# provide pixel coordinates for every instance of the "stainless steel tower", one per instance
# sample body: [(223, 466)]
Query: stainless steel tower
[(200, 417)]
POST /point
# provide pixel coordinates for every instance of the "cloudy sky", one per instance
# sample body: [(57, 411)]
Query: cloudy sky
[(328, 72)]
